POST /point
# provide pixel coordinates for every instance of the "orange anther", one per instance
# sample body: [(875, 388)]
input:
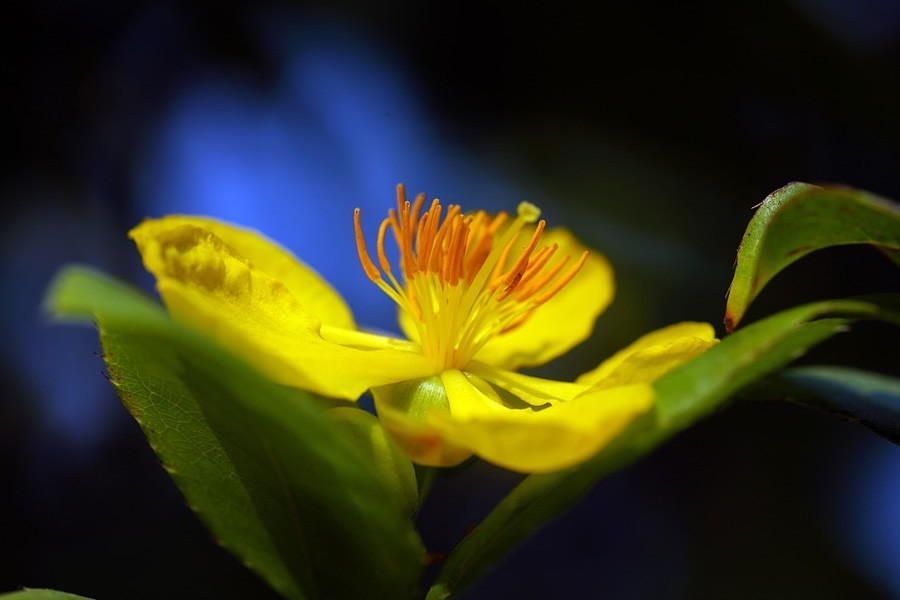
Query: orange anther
[(382, 256), (497, 273), (368, 266), (517, 322), (562, 281), (538, 282), (498, 220), (421, 241), (537, 262), (416, 207), (478, 244), (436, 256), (518, 268), (454, 251)]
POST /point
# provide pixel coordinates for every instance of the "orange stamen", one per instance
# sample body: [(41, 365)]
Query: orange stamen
[(518, 268), (538, 283), (368, 266), (379, 246), (480, 245), (519, 321), (422, 246), (496, 275), (537, 262), (436, 260), (564, 280), (499, 220), (452, 258), (497, 295), (417, 207)]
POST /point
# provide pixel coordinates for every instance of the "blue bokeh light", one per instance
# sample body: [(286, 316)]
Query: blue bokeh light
[(60, 365), (867, 25), (867, 502), (338, 128)]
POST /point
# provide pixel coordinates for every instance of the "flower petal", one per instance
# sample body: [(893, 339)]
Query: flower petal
[(535, 391), (652, 355), (316, 296), (564, 321), (530, 441), (208, 284)]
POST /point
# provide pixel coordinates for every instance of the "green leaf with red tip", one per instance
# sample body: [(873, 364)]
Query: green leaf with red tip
[(801, 218)]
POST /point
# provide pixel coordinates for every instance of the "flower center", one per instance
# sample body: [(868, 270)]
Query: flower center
[(465, 278)]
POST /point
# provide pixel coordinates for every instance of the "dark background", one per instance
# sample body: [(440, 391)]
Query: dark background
[(649, 128)]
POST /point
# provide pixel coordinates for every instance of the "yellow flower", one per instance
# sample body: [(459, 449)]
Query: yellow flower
[(479, 296)]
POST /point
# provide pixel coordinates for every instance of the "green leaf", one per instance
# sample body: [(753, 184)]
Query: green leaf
[(684, 395), (270, 474), (799, 219), (870, 399), (35, 594), (740, 359)]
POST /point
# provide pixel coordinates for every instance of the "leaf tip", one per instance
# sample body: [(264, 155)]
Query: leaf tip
[(730, 321), (52, 304)]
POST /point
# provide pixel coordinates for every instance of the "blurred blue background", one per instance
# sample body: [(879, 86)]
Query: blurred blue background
[(649, 128)]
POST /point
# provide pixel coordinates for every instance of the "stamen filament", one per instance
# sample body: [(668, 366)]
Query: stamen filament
[(458, 284)]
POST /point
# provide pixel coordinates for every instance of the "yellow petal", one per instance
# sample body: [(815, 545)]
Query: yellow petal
[(564, 321), (404, 410), (210, 286), (530, 441), (316, 296), (535, 391), (652, 355)]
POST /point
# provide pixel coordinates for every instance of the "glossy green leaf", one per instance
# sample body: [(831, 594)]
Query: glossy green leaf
[(870, 399), (274, 479), (799, 219), (393, 467), (35, 594), (743, 358), (683, 396)]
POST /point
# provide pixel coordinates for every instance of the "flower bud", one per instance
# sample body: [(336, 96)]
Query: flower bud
[(404, 409)]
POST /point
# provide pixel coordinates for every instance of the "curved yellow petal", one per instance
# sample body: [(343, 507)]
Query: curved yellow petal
[(565, 320), (652, 355), (316, 296), (209, 285), (405, 409), (530, 441), (535, 391)]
